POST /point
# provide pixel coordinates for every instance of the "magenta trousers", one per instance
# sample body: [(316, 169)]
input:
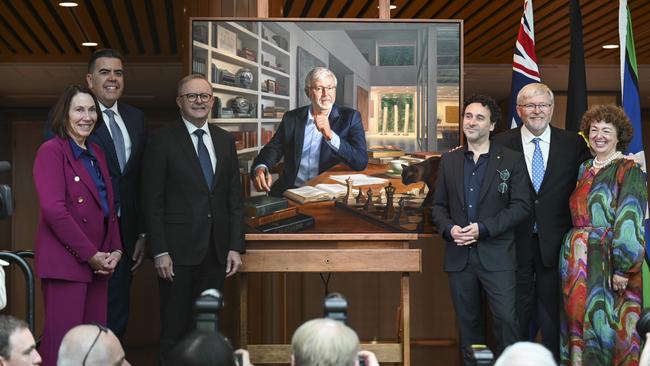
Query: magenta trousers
[(68, 304)]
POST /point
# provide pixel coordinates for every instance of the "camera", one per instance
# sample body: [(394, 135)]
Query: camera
[(6, 201), (643, 325), (207, 308), (336, 307), (480, 354)]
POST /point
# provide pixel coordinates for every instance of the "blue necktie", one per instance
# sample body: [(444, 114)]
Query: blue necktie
[(204, 158), (537, 166), (118, 138)]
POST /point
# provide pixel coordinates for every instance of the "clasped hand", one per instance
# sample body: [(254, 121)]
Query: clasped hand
[(464, 235), (104, 263)]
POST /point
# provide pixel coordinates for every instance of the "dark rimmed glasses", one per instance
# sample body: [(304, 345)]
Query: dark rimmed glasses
[(192, 97)]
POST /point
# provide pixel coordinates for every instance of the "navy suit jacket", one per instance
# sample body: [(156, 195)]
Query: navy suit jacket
[(288, 141), (126, 184), (184, 216), (550, 207)]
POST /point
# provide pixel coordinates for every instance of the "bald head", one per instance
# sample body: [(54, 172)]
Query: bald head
[(78, 343)]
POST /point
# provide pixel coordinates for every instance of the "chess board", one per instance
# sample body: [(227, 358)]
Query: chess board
[(409, 217)]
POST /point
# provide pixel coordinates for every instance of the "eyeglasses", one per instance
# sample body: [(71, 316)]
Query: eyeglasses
[(191, 97), (531, 107), (101, 329), (321, 89)]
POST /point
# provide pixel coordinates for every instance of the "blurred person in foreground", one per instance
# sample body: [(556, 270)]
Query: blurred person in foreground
[(77, 240), (91, 345), (201, 348), (327, 342), (526, 354), (602, 255), (17, 344)]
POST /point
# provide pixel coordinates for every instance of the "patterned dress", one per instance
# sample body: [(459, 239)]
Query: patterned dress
[(598, 324)]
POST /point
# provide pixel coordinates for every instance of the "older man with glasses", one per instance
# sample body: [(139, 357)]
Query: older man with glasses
[(553, 157), (313, 138), (91, 345)]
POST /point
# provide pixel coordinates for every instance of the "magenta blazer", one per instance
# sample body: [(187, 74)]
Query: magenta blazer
[(71, 227)]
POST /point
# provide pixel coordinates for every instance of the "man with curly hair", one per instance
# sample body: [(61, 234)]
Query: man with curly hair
[(480, 196)]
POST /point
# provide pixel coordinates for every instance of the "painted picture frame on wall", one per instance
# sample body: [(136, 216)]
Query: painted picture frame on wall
[(226, 40)]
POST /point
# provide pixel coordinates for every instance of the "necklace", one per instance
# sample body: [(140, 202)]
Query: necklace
[(600, 164)]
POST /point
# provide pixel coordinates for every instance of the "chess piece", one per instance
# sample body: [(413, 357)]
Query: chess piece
[(389, 211), (359, 197), (368, 199), (398, 215), (348, 193)]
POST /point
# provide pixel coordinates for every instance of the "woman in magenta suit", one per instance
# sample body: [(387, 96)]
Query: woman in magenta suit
[(77, 240)]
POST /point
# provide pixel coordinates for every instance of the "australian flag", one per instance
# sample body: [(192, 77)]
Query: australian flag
[(524, 65)]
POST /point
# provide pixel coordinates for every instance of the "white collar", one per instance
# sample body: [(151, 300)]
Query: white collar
[(528, 136), (191, 127), (113, 108)]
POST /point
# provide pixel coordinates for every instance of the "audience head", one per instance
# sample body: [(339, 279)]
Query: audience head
[(535, 107), (324, 342), (75, 113), (320, 87), (480, 115), (194, 98), (201, 348), (91, 345), (17, 344), (614, 125), (106, 75), (525, 354)]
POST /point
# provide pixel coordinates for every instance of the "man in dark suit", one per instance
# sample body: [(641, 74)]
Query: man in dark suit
[(122, 136), (480, 196), (553, 157), (193, 208), (313, 138)]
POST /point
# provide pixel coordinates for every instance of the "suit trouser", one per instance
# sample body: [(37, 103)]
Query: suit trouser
[(68, 304), (177, 297), (538, 296), (119, 296), (499, 287)]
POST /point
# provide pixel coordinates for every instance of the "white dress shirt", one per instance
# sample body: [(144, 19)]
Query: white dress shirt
[(207, 140), (529, 147), (121, 125)]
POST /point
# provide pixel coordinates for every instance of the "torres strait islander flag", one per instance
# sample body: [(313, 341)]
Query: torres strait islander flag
[(524, 65), (632, 107)]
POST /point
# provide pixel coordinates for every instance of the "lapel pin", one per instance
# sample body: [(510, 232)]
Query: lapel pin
[(498, 156), (80, 199), (76, 179)]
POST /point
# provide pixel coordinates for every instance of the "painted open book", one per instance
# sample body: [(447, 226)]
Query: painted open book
[(320, 192)]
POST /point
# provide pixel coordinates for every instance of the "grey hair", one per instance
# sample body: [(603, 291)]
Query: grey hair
[(324, 342), (526, 354), (318, 73), (533, 90), (189, 78)]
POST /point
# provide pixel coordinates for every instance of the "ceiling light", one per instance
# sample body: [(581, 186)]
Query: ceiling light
[(610, 46), (89, 44), (68, 4), (391, 7)]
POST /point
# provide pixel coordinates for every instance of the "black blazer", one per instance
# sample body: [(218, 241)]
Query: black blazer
[(288, 141), (551, 205), (126, 184), (184, 216), (499, 212)]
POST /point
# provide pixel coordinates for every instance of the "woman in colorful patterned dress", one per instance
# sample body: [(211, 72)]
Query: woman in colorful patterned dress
[(600, 261)]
